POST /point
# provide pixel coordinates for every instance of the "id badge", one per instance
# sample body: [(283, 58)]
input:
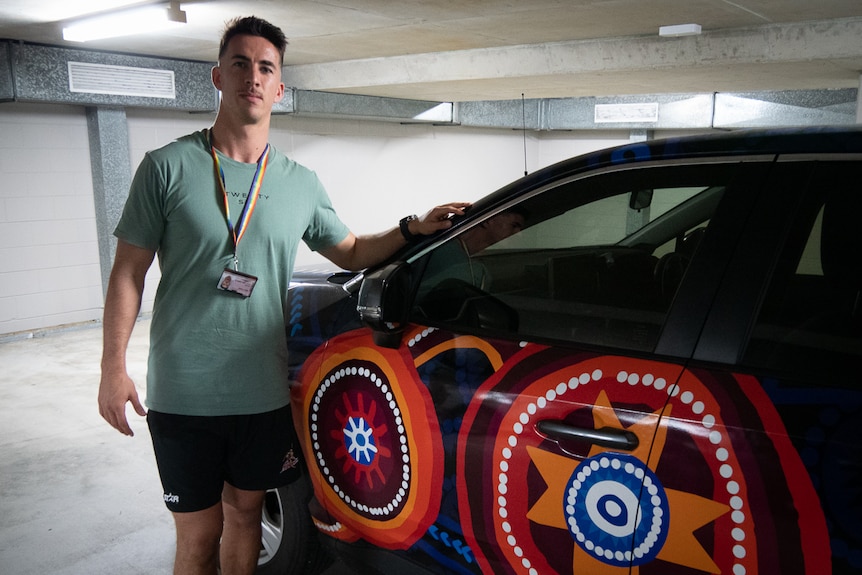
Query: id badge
[(236, 282)]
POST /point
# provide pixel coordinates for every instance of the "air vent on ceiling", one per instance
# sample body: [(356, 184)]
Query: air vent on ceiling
[(121, 80)]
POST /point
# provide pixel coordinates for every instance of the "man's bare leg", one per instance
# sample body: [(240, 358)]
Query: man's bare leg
[(198, 534), (240, 544)]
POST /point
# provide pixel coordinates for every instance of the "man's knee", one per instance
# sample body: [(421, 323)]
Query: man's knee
[(241, 506), (198, 533)]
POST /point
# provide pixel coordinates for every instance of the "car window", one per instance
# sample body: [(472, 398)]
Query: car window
[(811, 316), (596, 260)]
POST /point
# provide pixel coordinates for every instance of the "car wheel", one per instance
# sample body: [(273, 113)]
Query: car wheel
[(289, 544)]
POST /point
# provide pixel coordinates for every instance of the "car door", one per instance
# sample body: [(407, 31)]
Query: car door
[(562, 464), (790, 337), (517, 423)]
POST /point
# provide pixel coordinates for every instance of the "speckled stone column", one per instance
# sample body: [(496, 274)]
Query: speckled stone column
[(859, 102), (109, 159), (7, 91)]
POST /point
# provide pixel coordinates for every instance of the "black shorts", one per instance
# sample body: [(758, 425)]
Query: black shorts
[(197, 455)]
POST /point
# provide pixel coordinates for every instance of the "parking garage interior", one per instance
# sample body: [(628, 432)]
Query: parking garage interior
[(397, 107)]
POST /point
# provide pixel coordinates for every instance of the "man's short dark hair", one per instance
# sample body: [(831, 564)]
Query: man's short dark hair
[(253, 26)]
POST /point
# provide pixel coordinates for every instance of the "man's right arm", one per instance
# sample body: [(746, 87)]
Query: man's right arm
[(122, 305)]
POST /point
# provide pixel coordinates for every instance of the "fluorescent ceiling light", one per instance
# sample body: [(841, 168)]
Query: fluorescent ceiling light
[(679, 30), (142, 20)]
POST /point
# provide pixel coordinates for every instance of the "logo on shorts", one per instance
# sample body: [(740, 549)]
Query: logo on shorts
[(171, 498), (290, 461)]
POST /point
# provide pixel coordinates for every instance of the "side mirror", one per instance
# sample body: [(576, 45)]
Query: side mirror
[(384, 303)]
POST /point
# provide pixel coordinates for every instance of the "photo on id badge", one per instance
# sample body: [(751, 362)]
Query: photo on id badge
[(236, 282)]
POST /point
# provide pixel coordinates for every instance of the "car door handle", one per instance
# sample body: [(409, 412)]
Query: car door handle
[(606, 436)]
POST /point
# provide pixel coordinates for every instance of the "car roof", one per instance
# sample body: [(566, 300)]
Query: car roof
[(822, 139), (783, 141)]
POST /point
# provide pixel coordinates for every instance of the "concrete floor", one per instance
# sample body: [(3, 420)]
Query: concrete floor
[(76, 496)]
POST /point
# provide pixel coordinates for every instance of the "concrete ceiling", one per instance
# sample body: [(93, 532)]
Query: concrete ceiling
[(469, 50)]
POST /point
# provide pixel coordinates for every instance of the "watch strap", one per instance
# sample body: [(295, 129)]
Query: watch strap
[(404, 226)]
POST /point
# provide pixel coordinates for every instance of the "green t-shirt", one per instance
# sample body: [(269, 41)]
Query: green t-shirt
[(213, 352)]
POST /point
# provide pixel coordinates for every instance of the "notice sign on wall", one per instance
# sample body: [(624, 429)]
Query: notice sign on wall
[(626, 113)]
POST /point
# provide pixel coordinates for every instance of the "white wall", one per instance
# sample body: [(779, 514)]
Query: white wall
[(375, 172), (49, 255)]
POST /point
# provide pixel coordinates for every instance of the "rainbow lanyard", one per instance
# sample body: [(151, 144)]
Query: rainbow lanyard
[(237, 231)]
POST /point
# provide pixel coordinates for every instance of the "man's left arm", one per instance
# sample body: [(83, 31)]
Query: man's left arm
[(359, 252)]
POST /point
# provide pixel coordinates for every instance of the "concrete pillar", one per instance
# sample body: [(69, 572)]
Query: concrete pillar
[(111, 165), (859, 103)]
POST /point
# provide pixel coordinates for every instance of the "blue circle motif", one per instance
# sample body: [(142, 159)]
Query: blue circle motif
[(359, 440), (616, 510)]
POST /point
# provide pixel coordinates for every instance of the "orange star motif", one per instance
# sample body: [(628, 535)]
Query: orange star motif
[(687, 512)]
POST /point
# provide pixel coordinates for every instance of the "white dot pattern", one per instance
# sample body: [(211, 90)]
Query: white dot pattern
[(394, 505), (533, 412)]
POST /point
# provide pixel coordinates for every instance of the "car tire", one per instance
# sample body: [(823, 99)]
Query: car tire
[(289, 544)]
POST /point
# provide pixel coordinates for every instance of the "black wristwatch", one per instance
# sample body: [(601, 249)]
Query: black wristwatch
[(404, 224)]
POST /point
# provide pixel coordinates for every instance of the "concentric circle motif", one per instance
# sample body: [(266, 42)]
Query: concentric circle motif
[(533, 505), (370, 425), (611, 500), (362, 446)]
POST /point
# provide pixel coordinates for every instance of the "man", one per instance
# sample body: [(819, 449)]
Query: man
[(454, 259), (493, 230), (216, 384)]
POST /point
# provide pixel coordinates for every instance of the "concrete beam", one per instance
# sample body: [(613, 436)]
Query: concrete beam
[(7, 84), (41, 74), (771, 46), (666, 111), (350, 106), (859, 103)]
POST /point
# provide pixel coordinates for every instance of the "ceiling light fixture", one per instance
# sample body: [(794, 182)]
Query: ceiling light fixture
[(679, 30), (141, 20)]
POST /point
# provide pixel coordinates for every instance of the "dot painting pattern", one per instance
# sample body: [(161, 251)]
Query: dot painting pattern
[(532, 504), (375, 443), (616, 510), (613, 506)]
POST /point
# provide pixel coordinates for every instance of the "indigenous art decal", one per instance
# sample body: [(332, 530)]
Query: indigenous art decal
[(371, 428), (712, 467)]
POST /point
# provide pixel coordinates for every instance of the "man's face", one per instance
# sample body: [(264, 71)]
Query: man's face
[(249, 78), (504, 225)]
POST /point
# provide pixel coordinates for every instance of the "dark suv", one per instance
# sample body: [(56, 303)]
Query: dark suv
[(655, 368)]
